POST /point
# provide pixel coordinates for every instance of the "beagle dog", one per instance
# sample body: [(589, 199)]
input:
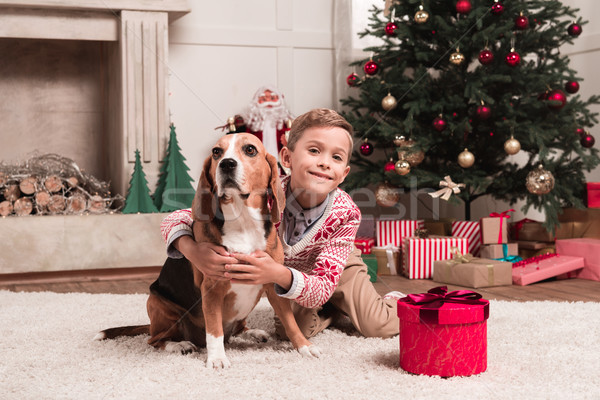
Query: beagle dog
[(238, 201)]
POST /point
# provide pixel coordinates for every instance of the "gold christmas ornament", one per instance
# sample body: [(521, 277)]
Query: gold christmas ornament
[(389, 102), (386, 195), (399, 140), (466, 159), (539, 181), (408, 152), (457, 57), (402, 167), (421, 16), (512, 146)]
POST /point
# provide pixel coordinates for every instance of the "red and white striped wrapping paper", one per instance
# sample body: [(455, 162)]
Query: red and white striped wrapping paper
[(419, 254), (470, 230), (391, 232)]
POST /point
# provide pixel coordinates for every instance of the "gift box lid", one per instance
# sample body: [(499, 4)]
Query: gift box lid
[(593, 185), (438, 306)]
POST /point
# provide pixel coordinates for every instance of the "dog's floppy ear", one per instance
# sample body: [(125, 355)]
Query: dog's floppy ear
[(275, 190), (202, 206)]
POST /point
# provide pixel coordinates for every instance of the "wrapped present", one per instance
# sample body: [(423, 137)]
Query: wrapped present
[(494, 229), (418, 255), (470, 230), (542, 267), (586, 222), (593, 194), (364, 244), (443, 333), (506, 251), (587, 248), (533, 245), (440, 226), (535, 231), (371, 262), (469, 271), (391, 232), (388, 260)]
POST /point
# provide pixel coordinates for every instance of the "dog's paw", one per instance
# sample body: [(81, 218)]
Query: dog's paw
[(218, 362), (183, 347), (257, 335), (310, 351)]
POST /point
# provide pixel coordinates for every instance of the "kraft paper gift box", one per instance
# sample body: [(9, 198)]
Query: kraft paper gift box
[(473, 272), (419, 254), (587, 248), (499, 250), (494, 229), (470, 230), (543, 267), (388, 260), (593, 194), (529, 249), (443, 333), (391, 232), (364, 244), (535, 231)]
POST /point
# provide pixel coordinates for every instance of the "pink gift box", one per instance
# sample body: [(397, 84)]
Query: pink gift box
[(391, 232), (470, 230), (364, 244), (587, 248), (419, 254), (532, 271), (443, 338), (593, 192)]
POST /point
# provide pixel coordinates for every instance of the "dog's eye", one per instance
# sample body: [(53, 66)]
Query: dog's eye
[(250, 150), (217, 152)]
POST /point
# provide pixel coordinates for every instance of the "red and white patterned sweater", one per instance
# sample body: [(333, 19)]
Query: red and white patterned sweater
[(318, 259)]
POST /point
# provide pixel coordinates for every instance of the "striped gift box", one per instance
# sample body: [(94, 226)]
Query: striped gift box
[(391, 232), (470, 230), (419, 254)]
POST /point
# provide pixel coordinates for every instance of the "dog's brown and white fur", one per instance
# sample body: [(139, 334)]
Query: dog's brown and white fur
[(238, 201)]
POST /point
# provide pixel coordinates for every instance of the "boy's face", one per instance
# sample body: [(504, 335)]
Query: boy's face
[(318, 163)]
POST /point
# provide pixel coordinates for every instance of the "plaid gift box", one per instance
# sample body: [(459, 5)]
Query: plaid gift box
[(391, 232), (470, 230)]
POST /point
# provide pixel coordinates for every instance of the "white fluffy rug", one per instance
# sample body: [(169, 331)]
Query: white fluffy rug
[(536, 350)]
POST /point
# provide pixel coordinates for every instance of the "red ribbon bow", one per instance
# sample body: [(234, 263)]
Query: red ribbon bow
[(501, 215), (436, 297), (519, 224)]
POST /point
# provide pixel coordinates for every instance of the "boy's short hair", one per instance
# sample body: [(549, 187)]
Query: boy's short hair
[(319, 117)]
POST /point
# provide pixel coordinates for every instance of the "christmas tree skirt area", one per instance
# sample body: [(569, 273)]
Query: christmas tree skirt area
[(535, 350), (79, 242)]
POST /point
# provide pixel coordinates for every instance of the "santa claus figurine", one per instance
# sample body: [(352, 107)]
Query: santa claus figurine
[(267, 117)]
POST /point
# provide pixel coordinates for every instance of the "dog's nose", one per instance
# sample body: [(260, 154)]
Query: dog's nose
[(227, 164)]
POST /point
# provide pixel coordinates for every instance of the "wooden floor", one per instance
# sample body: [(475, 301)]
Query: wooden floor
[(137, 280)]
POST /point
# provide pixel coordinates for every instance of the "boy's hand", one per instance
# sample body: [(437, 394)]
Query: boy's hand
[(259, 268), (208, 258)]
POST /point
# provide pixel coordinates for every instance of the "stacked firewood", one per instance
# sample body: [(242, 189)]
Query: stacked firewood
[(50, 185)]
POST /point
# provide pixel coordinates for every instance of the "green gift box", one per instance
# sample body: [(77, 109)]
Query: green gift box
[(371, 261)]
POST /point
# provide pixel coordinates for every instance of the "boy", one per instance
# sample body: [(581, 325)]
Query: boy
[(323, 271)]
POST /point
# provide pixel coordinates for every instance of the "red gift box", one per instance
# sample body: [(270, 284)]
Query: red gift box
[(470, 230), (391, 232), (593, 192), (587, 248), (443, 333), (542, 267), (419, 254), (364, 244)]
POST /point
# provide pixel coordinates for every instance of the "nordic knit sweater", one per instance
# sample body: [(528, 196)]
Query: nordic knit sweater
[(317, 260)]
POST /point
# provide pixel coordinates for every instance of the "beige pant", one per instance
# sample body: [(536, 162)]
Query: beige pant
[(355, 297)]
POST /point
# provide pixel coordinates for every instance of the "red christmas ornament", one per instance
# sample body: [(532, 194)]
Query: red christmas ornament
[(390, 29), (389, 166), (486, 56), (559, 99), (513, 58), (587, 141), (521, 22), (572, 87), (497, 8), (463, 6), (580, 132), (574, 29), (366, 149), (371, 67), (352, 79), (439, 124), (484, 112)]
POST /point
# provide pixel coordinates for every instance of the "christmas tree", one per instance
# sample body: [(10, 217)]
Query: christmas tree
[(478, 91), (138, 199), (174, 189)]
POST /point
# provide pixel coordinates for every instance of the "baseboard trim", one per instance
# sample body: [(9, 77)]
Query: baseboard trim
[(87, 275)]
